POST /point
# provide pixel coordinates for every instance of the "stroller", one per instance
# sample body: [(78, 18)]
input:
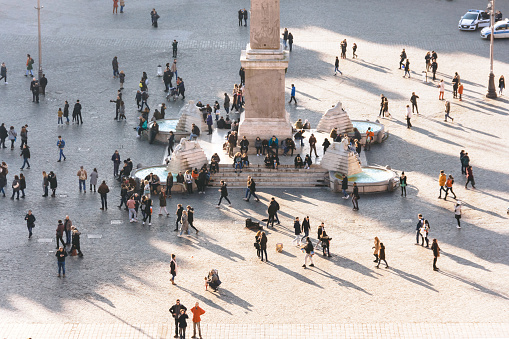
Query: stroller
[(172, 93), (212, 280)]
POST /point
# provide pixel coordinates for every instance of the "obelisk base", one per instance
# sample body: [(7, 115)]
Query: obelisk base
[(265, 128)]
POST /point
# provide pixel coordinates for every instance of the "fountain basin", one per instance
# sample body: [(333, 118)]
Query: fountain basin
[(371, 180), (162, 173), (165, 127), (377, 128)]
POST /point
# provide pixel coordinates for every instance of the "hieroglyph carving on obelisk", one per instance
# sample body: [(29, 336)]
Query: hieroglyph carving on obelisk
[(264, 30)]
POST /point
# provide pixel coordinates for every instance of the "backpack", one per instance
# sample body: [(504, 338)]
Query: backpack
[(82, 175)]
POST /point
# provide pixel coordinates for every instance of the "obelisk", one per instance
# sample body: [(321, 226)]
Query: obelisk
[(265, 63)]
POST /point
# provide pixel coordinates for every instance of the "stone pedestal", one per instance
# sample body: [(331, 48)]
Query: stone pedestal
[(187, 155), (339, 159), (265, 113), (335, 117)]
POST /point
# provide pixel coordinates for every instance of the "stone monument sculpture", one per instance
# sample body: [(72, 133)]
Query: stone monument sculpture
[(335, 117), (340, 158), (265, 63), (189, 115), (187, 155)]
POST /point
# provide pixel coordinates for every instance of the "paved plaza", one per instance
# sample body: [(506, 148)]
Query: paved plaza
[(121, 287)]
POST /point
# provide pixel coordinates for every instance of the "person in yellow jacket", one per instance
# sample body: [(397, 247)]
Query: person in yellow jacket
[(441, 182)]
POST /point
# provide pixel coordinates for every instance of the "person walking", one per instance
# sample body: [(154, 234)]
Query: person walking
[(402, 183), (312, 145), (436, 253), (470, 177), (224, 194), (53, 183), (61, 146), (29, 64), (3, 74), (292, 95), (103, 190), (173, 269), (447, 111), (67, 230), (402, 58), (185, 223), (25, 153), (501, 83), (407, 68), (420, 222), (162, 203), (297, 228), (441, 87), (408, 117), (413, 100), (285, 37), (442, 179), (448, 187), (77, 112), (190, 217), (354, 51), (61, 254), (175, 312), (262, 241), (76, 246), (30, 219), (376, 247), (174, 46), (424, 232), (12, 135), (82, 177), (465, 161), (381, 256), (34, 88), (290, 40), (197, 313), (59, 233), (179, 211), (251, 189), (355, 197), (457, 213), (309, 250)]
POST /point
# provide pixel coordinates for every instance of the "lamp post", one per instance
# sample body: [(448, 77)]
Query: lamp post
[(38, 8), (492, 92)]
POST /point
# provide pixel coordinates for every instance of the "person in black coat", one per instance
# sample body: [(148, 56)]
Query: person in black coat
[(344, 186), (76, 241), (34, 87), (3, 135), (290, 40), (272, 210), (355, 197), (326, 144), (299, 163), (381, 256), (175, 312), (244, 14), (436, 253), (44, 83), (242, 74), (224, 194), (76, 113), (262, 241), (306, 227), (241, 16), (25, 153), (53, 184), (30, 219)]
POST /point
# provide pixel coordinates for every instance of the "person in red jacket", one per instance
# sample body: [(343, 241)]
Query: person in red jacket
[(197, 312)]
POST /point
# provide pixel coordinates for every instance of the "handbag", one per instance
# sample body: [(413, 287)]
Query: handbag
[(257, 245)]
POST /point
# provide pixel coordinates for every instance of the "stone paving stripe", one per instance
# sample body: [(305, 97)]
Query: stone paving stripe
[(406, 220), (45, 240), (350, 221), (117, 222), (95, 236), (62, 195)]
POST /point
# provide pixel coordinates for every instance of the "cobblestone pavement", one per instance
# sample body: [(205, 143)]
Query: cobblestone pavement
[(122, 283)]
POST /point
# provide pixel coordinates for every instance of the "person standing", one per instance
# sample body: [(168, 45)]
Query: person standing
[(297, 228), (197, 313), (240, 16), (162, 203), (460, 90), (455, 83), (82, 177), (442, 178), (173, 269), (292, 95), (424, 233), (381, 256), (53, 184), (34, 88), (15, 187), (408, 117), (29, 64), (501, 83), (173, 69), (448, 187), (169, 184), (309, 250), (210, 122), (244, 14), (59, 233), (44, 83), (457, 213), (25, 153), (45, 184), (285, 36), (470, 177), (376, 247), (420, 223), (93, 179), (407, 68), (226, 103), (402, 183), (60, 116), (242, 74), (272, 210), (344, 187), (465, 161), (447, 111), (76, 241), (3, 135), (12, 135), (3, 74), (131, 205), (175, 312), (224, 194), (147, 209), (122, 5), (402, 58), (436, 253), (355, 197), (103, 190), (61, 254), (434, 67), (77, 112), (154, 16), (343, 46), (441, 87), (66, 112), (61, 146), (312, 145), (182, 320), (413, 100), (115, 6), (382, 105), (67, 230), (174, 46), (30, 219), (116, 162), (262, 242), (290, 40)]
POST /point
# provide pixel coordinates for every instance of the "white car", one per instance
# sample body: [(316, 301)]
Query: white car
[(501, 30), (473, 19)]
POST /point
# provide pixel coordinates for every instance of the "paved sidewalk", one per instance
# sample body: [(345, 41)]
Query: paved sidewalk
[(267, 331)]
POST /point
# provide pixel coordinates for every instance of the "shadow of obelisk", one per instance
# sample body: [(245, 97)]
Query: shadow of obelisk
[(265, 63)]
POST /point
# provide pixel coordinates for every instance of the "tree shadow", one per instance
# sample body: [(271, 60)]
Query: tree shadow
[(412, 278), (475, 285), (341, 282)]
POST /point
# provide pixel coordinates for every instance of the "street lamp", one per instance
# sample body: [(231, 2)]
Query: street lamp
[(38, 8), (492, 92)]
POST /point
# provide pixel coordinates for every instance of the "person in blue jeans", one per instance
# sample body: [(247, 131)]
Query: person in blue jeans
[(61, 254), (25, 153), (82, 177), (237, 162), (251, 189), (292, 95), (61, 146)]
